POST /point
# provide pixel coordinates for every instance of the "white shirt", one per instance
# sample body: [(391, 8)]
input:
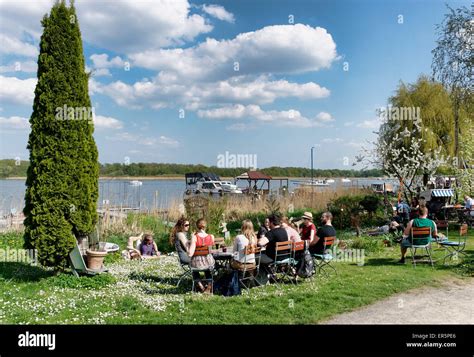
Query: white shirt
[(240, 243)]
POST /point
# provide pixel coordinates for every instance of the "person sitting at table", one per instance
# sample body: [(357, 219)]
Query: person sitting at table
[(148, 248), (468, 202), (264, 228), (293, 234), (203, 262), (307, 229), (421, 221), (246, 238), (179, 239), (274, 235), (316, 246)]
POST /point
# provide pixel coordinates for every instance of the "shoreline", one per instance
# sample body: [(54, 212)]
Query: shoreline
[(178, 177)]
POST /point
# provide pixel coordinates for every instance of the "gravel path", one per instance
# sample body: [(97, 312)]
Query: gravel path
[(419, 306)]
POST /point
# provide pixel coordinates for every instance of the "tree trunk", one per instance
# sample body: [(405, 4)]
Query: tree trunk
[(456, 131)]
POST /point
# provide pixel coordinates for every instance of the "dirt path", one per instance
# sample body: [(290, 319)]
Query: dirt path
[(419, 306)]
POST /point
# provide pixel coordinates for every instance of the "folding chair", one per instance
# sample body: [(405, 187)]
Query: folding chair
[(420, 239), (454, 248), (297, 250), (186, 271), (323, 261), (202, 251), (135, 249), (78, 265), (249, 273), (283, 260)]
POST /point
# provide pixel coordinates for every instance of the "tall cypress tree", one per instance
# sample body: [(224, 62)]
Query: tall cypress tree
[(62, 179)]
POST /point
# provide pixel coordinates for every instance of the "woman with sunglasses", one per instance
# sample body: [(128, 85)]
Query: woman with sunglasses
[(179, 239)]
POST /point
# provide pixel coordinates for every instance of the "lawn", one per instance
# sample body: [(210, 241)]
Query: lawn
[(144, 292)]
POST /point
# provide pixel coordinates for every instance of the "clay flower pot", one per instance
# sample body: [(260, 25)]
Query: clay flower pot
[(95, 259)]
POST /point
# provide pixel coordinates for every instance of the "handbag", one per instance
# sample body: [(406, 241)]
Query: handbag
[(306, 268)]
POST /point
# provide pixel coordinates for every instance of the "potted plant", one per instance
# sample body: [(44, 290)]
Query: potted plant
[(96, 252)]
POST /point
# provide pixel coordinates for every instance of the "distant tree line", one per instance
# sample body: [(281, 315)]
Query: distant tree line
[(11, 168)]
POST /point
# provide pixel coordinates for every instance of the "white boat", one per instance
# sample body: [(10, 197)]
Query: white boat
[(330, 181), (345, 180), (212, 187), (136, 183), (316, 183), (229, 187)]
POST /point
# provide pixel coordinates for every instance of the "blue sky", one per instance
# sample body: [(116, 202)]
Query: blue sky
[(290, 91)]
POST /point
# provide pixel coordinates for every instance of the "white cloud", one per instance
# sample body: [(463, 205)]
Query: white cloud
[(14, 122), (20, 66), (331, 140), (122, 26), (239, 127), (107, 122), (273, 49), (243, 90), (13, 46), (219, 12), (168, 141), (17, 91), (370, 124), (162, 141), (324, 117), (281, 118)]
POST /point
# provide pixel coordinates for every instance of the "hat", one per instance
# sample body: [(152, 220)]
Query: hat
[(307, 215)]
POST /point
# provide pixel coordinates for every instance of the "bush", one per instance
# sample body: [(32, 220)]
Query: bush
[(62, 177), (357, 210), (369, 244), (84, 282)]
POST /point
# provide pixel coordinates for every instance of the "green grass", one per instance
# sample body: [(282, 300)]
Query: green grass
[(144, 292)]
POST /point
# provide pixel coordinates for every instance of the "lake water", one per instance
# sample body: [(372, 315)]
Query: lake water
[(151, 194)]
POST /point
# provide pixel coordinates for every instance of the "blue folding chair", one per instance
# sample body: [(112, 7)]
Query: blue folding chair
[(454, 248)]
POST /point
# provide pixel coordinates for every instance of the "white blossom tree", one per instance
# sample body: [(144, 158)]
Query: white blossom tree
[(399, 152)]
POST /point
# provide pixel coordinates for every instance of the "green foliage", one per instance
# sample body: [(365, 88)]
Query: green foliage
[(369, 244), (215, 216), (159, 169), (84, 282), (357, 210), (62, 178), (13, 168), (150, 224), (371, 203), (9, 169), (272, 205)]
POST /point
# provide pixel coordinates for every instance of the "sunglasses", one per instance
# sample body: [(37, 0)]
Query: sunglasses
[(186, 225)]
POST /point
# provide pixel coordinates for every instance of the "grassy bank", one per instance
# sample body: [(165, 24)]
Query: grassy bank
[(144, 292)]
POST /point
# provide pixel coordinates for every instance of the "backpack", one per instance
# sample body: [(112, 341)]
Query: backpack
[(306, 268), (229, 284)]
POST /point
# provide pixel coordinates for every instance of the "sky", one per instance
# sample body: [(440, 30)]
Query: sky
[(180, 81)]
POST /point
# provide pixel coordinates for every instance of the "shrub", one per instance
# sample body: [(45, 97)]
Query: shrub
[(62, 178), (70, 281)]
